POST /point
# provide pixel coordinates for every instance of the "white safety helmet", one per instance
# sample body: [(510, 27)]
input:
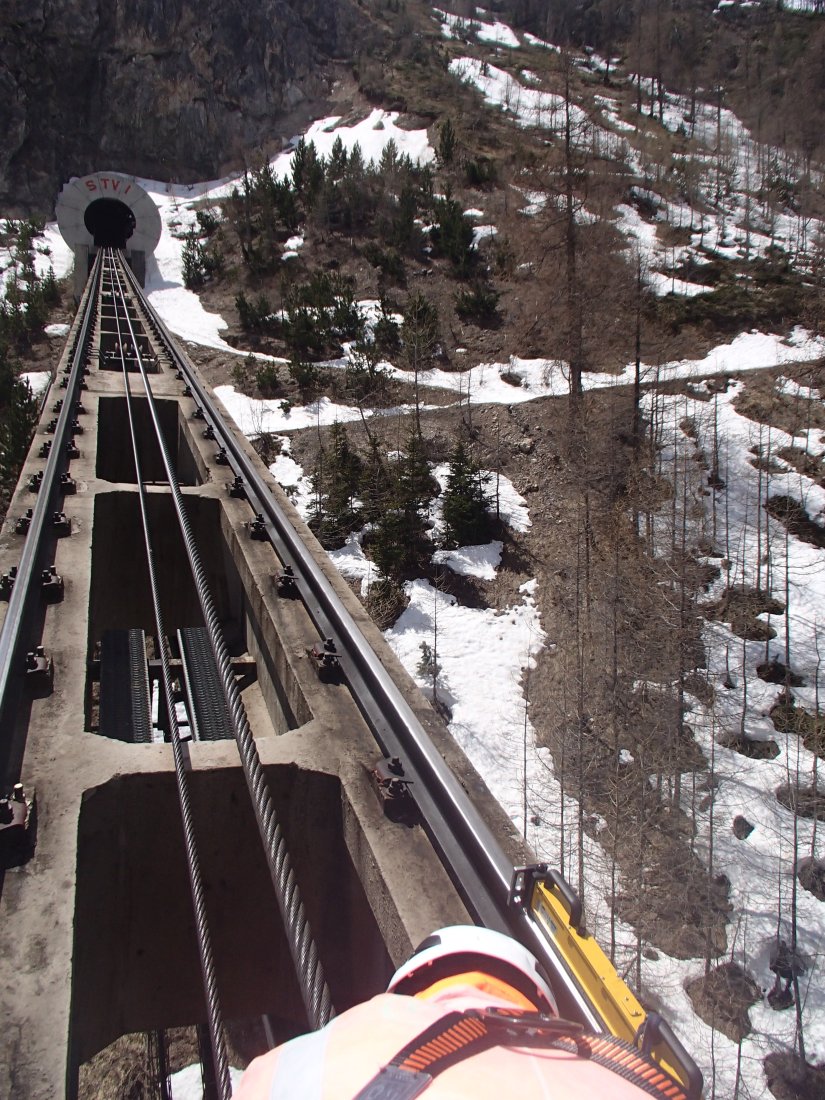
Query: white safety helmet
[(462, 949)]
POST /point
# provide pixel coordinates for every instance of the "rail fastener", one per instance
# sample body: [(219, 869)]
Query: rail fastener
[(257, 528), (39, 668), (61, 524), (17, 827), (326, 660), (393, 789), (7, 583), (51, 585), (287, 583), (23, 523), (236, 488)]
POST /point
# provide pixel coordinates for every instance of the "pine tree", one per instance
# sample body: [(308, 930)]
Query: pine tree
[(337, 166), (307, 172), (466, 519), (417, 486), (419, 337), (453, 235), (404, 233), (18, 416), (193, 261), (400, 544), (386, 334), (446, 142), (336, 482), (344, 478)]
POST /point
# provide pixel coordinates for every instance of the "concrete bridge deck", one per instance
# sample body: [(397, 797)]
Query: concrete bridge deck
[(96, 930)]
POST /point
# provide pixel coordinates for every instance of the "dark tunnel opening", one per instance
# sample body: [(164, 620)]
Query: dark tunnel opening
[(110, 222)]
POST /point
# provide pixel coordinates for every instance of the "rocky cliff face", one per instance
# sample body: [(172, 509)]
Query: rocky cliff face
[(170, 89)]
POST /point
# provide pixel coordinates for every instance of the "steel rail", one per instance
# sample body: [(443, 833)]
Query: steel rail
[(302, 946), (473, 856), (205, 954), (26, 591)]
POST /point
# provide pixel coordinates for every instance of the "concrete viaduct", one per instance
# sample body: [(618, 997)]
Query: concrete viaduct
[(96, 928)]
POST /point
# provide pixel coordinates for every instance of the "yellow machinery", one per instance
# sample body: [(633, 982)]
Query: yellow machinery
[(557, 912)]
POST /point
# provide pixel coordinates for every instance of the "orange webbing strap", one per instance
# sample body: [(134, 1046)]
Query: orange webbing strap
[(460, 1035), (447, 1041), (456, 1036), (626, 1061)]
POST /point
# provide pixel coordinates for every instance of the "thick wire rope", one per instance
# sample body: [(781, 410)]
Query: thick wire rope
[(207, 961), (302, 946)]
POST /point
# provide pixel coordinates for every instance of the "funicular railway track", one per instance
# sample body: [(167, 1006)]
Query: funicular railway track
[(534, 905)]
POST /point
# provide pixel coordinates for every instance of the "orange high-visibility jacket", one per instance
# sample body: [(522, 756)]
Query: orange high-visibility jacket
[(336, 1062)]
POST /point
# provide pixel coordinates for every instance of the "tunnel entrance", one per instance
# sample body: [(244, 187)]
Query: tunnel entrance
[(110, 222)]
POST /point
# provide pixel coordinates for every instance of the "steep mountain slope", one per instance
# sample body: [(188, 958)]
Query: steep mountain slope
[(171, 89)]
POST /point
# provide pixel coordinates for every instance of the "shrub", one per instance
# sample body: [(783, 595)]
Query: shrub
[(207, 222), (255, 316), (243, 373), (199, 263), (478, 304), (388, 261), (303, 374), (385, 601), (267, 379), (479, 172), (453, 235)]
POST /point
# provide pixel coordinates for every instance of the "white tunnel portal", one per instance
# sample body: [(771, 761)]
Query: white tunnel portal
[(107, 210)]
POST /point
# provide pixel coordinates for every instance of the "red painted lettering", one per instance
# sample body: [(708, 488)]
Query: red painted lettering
[(91, 185), (128, 189), (115, 185), (105, 181)]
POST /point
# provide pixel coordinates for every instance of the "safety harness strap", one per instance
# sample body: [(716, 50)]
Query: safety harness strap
[(460, 1035)]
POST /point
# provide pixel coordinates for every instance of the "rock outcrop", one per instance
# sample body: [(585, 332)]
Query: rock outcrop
[(170, 89)]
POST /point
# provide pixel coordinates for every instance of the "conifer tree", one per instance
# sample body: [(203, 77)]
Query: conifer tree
[(446, 142), (336, 481), (337, 165), (345, 477), (307, 172), (400, 544), (466, 519), (419, 337), (453, 235), (18, 416)]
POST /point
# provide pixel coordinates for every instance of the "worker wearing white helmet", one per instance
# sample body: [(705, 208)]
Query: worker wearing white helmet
[(470, 1015)]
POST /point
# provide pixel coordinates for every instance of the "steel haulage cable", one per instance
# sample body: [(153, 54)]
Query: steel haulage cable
[(302, 946), (207, 961)]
